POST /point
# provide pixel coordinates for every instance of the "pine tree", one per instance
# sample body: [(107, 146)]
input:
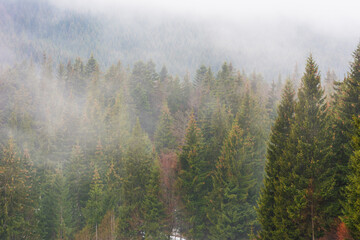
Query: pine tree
[(164, 137), (200, 75), (91, 67), (274, 169), (78, 178), (253, 125), (153, 208), (17, 215), (351, 205), (138, 161), (192, 185), (230, 211), (310, 182), (94, 209), (346, 105), (49, 204)]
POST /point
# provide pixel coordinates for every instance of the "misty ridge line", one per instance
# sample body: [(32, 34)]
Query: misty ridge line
[(191, 143), (269, 46)]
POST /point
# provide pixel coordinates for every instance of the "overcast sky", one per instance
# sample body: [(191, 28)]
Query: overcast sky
[(259, 29), (335, 14)]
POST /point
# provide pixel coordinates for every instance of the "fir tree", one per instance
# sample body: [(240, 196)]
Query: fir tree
[(49, 204), (153, 208), (94, 209), (137, 163), (78, 178), (17, 216), (164, 137), (274, 169), (346, 105), (310, 182), (351, 204), (230, 211), (192, 185)]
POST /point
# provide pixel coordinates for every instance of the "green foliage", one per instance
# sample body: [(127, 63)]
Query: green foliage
[(309, 182), (164, 137), (78, 180), (94, 209), (230, 211), (49, 213), (153, 208), (17, 215), (192, 180), (207, 178), (269, 205), (138, 196), (351, 204), (346, 105)]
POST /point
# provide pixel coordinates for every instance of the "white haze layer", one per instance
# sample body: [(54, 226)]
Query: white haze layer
[(254, 34)]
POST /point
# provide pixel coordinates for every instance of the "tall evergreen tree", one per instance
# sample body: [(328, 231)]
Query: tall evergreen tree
[(154, 211), (346, 105), (351, 204), (17, 215), (138, 162), (230, 211), (164, 137), (49, 204), (94, 209), (192, 185), (278, 138), (78, 178), (310, 181)]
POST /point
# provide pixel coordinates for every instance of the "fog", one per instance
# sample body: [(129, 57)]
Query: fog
[(267, 36), (149, 119)]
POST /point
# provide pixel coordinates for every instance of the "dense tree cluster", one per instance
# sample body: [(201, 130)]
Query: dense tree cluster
[(141, 154), (130, 153), (312, 169)]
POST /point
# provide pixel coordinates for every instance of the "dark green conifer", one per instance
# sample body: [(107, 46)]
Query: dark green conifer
[(351, 204), (310, 182), (192, 185), (231, 212), (273, 169), (346, 104)]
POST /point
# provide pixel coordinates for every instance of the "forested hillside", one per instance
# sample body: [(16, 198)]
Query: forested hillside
[(124, 153), (30, 28), (99, 142)]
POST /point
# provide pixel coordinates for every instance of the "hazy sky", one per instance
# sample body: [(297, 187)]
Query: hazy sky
[(335, 13), (280, 32)]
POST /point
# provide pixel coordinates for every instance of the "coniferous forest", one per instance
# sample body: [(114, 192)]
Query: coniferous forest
[(97, 151)]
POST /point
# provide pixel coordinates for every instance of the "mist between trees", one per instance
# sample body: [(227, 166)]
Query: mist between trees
[(140, 154)]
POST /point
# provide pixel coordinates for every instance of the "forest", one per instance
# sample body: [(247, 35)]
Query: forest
[(140, 154), (99, 142)]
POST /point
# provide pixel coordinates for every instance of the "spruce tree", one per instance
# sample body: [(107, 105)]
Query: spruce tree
[(153, 208), (164, 137), (78, 178), (252, 123), (231, 214), (17, 215), (310, 182), (192, 179), (138, 162), (49, 204), (346, 105), (94, 209), (273, 168), (351, 204)]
